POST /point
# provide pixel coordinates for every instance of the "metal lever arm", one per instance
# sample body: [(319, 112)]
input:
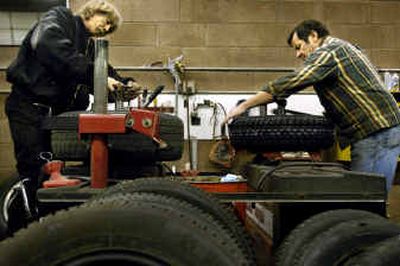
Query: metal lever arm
[(155, 93)]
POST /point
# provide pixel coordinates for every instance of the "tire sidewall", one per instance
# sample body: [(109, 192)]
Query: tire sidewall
[(161, 227), (305, 232), (192, 195), (345, 240)]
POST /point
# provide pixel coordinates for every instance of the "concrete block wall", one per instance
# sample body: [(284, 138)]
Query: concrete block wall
[(230, 33), (250, 33)]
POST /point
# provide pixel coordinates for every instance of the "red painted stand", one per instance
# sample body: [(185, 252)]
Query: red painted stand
[(53, 169), (99, 125), (232, 187)]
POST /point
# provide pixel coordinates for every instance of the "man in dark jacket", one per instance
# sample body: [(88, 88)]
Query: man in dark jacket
[(53, 59)]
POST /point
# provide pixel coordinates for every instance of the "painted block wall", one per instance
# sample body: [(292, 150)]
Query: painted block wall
[(228, 33)]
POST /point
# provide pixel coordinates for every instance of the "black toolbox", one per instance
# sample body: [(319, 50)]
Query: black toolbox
[(305, 178), (292, 191)]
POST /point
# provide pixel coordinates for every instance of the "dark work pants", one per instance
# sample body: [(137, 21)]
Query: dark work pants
[(28, 137)]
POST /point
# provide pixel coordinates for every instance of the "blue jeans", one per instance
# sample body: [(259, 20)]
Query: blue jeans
[(378, 154)]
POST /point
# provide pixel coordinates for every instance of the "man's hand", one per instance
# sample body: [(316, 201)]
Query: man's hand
[(238, 110), (131, 90), (113, 84), (125, 92), (133, 85), (261, 97)]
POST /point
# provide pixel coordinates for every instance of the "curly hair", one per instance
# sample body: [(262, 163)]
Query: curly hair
[(93, 7)]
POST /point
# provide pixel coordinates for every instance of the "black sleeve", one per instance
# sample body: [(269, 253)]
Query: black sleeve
[(114, 74), (52, 42)]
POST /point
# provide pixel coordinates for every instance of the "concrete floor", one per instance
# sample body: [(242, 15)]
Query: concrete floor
[(394, 204)]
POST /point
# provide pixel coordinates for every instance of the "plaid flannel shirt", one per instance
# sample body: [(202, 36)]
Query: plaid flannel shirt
[(348, 86)]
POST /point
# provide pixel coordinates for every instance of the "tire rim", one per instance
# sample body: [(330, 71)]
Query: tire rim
[(115, 258), (9, 199)]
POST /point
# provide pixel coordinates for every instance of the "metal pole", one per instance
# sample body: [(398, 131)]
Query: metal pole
[(217, 69), (176, 83), (100, 75), (208, 69), (99, 150)]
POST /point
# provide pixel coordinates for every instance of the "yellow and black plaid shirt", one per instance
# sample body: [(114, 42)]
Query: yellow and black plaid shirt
[(349, 88)]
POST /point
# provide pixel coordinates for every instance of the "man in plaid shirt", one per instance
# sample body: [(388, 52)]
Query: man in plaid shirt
[(349, 87)]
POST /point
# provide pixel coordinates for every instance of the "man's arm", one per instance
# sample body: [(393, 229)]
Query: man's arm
[(114, 77), (261, 97), (317, 67)]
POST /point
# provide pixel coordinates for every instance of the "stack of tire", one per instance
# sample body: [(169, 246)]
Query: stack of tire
[(342, 237), (148, 221), (130, 153)]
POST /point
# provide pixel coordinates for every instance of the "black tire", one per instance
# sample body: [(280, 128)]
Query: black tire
[(281, 133), (305, 232), (130, 229), (385, 253), (12, 213), (66, 144), (171, 131), (192, 195), (338, 244)]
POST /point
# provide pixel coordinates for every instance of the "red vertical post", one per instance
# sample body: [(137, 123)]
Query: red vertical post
[(99, 161), (240, 208)]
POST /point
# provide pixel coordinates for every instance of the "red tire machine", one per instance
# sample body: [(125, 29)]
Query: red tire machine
[(96, 126)]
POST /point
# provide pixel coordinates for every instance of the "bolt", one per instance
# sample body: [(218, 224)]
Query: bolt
[(146, 122), (130, 122)]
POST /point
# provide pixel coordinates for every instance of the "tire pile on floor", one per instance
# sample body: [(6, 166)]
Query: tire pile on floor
[(342, 237), (152, 221)]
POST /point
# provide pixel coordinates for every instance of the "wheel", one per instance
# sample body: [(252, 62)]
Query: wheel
[(129, 229), (281, 133), (67, 145), (384, 253), (12, 210), (305, 232), (132, 147), (192, 195), (338, 244)]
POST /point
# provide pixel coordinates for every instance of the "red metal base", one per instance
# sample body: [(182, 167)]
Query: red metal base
[(240, 207), (56, 178), (99, 125)]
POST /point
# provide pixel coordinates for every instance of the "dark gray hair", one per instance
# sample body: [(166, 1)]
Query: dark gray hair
[(304, 29)]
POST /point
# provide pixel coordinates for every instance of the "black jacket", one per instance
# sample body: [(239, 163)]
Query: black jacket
[(53, 59)]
